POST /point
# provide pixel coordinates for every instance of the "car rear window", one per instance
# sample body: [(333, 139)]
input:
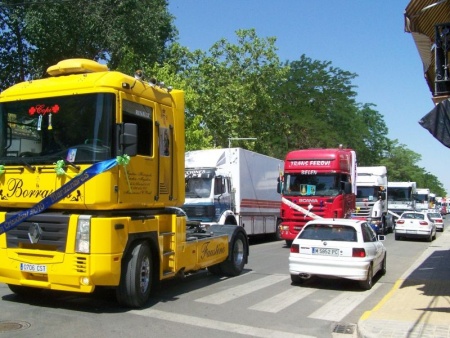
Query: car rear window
[(413, 216), (329, 232), (434, 215)]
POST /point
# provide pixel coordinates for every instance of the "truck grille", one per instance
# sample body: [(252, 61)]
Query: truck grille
[(199, 211), (53, 236), (362, 212)]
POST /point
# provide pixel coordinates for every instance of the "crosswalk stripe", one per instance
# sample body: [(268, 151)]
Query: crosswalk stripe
[(340, 306), (216, 325), (242, 290), (283, 300)]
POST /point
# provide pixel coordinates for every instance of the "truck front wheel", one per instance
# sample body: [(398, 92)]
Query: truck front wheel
[(136, 277), (235, 262)]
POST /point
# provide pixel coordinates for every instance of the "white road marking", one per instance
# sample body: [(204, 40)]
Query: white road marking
[(242, 290), (340, 306), (216, 325), (283, 300)]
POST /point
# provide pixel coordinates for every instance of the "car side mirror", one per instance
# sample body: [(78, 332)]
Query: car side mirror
[(381, 237)]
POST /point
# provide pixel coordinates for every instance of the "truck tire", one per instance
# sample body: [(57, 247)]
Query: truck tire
[(278, 231), (235, 262), (136, 277)]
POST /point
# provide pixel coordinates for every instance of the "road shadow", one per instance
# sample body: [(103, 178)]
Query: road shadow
[(103, 300)]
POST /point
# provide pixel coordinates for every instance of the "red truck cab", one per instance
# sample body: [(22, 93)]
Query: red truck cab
[(316, 183)]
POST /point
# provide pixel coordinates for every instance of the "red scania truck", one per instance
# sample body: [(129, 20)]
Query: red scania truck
[(316, 183)]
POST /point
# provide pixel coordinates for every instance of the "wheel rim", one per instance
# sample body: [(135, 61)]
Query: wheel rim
[(238, 252), (145, 275)]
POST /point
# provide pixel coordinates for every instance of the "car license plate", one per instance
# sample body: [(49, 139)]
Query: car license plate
[(37, 268), (325, 251)]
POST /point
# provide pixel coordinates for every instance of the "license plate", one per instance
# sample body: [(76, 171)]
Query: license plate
[(325, 251), (37, 268)]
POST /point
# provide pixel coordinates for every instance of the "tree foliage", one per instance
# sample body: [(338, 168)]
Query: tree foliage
[(234, 90), (122, 33)]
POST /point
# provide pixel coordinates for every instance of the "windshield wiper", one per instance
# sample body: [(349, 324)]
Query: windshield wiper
[(26, 164), (67, 163)]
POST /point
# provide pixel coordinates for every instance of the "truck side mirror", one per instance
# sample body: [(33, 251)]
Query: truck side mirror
[(278, 185), (128, 139), (347, 187)]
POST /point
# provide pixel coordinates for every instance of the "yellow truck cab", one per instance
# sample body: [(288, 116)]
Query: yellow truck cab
[(91, 178)]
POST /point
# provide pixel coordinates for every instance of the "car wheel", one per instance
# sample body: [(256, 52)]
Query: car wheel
[(430, 238), (296, 279), (288, 243), (397, 237), (367, 283), (383, 265)]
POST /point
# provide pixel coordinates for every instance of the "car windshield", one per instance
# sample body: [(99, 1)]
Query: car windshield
[(329, 232), (413, 216)]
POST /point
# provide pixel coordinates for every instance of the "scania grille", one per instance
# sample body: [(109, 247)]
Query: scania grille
[(362, 212), (52, 233)]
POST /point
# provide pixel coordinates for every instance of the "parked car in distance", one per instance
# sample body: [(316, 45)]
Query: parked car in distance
[(437, 219), (415, 224), (337, 248)]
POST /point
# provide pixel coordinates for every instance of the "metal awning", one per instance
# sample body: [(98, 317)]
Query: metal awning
[(421, 16)]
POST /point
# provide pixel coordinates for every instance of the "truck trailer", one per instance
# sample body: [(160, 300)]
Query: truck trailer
[(233, 186), (91, 185)]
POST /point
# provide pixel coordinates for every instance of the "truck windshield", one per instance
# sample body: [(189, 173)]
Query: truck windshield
[(76, 128), (369, 193), (399, 194), (312, 185), (197, 187)]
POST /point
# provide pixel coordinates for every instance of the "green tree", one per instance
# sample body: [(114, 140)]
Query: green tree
[(14, 50), (234, 83), (123, 33)]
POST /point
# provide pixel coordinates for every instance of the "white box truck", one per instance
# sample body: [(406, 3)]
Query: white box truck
[(371, 197), (233, 186), (400, 197)]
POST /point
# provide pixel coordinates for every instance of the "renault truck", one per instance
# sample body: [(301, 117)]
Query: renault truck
[(91, 185)]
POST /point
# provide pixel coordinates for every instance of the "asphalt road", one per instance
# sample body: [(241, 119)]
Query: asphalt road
[(260, 303)]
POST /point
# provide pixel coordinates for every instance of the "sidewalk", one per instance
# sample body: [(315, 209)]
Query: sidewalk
[(419, 303)]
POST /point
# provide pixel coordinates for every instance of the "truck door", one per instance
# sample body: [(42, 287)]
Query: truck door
[(222, 195)]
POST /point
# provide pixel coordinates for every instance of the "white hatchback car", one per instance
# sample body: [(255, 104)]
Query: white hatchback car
[(342, 248), (415, 224)]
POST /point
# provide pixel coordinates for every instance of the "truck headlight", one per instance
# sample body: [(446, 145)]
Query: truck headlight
[(83, 236)]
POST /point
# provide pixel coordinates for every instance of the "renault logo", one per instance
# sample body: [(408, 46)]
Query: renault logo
[(34, 233)]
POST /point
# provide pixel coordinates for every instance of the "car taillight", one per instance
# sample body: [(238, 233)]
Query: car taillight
[(400, 221), (423, 223), (438, 221), (359, 252), (295, 248)]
